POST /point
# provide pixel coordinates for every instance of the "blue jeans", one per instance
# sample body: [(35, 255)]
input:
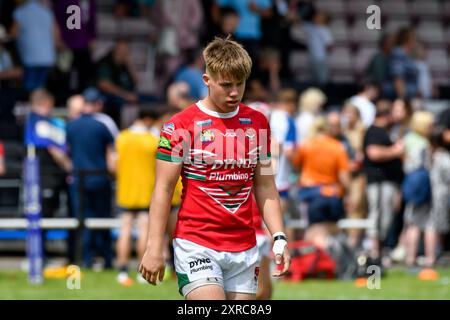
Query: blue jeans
[(321, 208), (35, 77)]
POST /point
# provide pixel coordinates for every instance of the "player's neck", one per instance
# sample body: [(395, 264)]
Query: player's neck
[(210, 105)]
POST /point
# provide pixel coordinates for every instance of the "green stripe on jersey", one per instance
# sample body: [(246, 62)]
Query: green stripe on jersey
[(168, 157), (195, 176)]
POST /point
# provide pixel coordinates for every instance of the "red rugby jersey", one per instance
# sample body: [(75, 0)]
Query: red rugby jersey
[(219, 152)]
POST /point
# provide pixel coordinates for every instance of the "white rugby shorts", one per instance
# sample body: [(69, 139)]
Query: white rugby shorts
[(197, 266)]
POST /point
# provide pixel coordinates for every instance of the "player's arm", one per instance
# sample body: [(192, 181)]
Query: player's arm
[(152, 264), (268, 201)]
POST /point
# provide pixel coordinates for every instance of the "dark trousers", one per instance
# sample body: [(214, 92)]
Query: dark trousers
[(82, 64), (35, 77), (96, 203)]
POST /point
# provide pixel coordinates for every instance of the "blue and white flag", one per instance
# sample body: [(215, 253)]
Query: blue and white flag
[(43, 132)]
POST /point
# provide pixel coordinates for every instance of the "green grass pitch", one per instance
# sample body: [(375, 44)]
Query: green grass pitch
[(398, 284)]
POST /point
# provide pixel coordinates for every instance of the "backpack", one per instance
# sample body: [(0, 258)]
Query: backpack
[(309, 261), (416, 187)]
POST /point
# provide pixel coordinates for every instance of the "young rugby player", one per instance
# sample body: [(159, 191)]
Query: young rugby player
[(221, 148)]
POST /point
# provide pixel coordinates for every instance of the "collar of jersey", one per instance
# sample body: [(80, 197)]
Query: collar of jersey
[(211, 113)]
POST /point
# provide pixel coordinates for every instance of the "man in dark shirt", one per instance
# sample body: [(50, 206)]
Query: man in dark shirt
[(383, 168), (117, 81), (91, 140)]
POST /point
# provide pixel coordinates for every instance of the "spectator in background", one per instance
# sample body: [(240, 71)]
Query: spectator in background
[(8, 71), (249, 31), (377, 69), (311, 102), (383, 168), (439, 221), (229, 21), (444, 121), (192, 74), (276, 31), (402, 75), (75, 107), (324, 178), (178, 95), (79, 41), (136, 163), (37, 36), (319, 42), (117, 81), (54, 163), (354, 130), (91, 142), (400, 117), (10, 76), (364, 102), (48, 136), (426, 87), (178, 24), (2, 160), (266, 78), (416, 187), (284, 139)]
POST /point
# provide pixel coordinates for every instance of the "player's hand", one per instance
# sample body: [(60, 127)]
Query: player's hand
[(152, 267), (282, 256)]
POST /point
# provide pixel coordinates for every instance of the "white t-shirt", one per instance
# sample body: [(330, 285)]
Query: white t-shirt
[(303, 123), (366, 109), (284, 132)]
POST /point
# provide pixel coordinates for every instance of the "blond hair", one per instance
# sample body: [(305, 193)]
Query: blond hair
[(421, 122), (312, 100), (226, 57)]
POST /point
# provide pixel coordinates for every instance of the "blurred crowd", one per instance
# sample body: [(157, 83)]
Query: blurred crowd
[(42, 44), (378, 154)]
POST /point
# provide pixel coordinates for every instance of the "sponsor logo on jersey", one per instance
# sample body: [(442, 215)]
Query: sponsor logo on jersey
[(245, 121), (229, 134), (168, 128), (233, 163), (164, 143), (204, 123), (207, 136), (230, 176)]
